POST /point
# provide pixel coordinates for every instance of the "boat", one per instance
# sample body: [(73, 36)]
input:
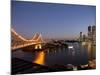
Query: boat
[(70, 47)]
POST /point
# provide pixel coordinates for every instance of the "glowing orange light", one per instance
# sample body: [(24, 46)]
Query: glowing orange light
[(40, 58)]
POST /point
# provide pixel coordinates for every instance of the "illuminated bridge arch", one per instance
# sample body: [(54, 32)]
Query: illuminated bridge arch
[(17, 41)]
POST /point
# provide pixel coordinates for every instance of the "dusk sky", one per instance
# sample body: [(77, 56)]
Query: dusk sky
[(51, 20)]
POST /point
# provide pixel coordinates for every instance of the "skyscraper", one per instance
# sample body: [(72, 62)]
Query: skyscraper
[(89, 28), (94, 34), (93, 30), (84, 37), (89, 33), (81, 36), (92, 41)]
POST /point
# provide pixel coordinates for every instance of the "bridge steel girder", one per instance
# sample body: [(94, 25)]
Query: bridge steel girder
[(17, 41)]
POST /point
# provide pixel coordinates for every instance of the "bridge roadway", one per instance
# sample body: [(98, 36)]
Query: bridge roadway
[(23, 45), (19, 42)]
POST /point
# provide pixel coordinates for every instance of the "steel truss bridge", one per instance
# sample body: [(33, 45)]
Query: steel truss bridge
[(17, 41)]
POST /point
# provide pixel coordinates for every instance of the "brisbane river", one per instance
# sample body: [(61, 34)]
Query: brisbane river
[(78, 55)]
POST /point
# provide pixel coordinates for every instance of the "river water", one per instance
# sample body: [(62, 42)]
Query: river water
[(62, 56)]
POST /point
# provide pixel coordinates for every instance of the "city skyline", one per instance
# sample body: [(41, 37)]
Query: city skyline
[(51, 20)]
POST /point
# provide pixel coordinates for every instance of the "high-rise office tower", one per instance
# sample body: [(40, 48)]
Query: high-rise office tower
[(94, 34), (92, 41), (84, 37), (93, 30), (89, 32), (81, 36), (89, 28)]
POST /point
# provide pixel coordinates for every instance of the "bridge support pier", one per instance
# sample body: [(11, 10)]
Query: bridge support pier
[(38, 46)]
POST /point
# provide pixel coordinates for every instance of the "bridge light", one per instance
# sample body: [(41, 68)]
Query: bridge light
[(40, 47), (36, 47)]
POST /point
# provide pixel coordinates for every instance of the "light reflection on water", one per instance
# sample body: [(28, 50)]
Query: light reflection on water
[(91, 49), (40, 58), (56, 56)]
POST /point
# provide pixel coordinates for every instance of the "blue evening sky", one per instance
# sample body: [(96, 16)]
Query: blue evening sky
[(50, 19)]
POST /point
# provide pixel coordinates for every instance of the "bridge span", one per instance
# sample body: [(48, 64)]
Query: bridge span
[(17, 41)]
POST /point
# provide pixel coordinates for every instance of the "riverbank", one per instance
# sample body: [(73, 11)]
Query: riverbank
[(20, 66)]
